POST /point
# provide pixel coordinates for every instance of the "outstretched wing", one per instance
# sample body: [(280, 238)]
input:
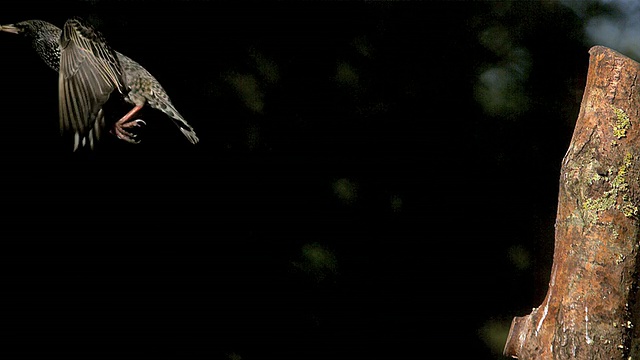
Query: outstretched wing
[(89, 73)]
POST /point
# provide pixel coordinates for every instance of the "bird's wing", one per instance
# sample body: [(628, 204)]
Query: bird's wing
[(89, 72)]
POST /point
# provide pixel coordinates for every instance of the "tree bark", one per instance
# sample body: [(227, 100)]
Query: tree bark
[(592, 306)]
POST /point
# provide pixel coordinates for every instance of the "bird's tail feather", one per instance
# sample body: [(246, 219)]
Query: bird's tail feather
[(187, 131), (191, 135)]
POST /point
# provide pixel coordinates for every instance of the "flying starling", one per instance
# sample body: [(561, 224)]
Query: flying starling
[(89, 71)]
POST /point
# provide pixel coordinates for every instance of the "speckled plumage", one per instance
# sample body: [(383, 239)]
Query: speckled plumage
[(140, 87)]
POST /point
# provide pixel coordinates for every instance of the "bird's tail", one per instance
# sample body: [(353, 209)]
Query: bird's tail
[(187, 131)]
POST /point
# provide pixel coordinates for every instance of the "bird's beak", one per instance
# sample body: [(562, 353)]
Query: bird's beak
[(10, 29)]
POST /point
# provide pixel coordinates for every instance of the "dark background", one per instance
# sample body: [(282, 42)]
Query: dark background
[(374, 180)]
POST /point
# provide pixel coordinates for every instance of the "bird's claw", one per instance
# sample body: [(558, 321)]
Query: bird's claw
[(122, 134), (126, 136), (133, 123)]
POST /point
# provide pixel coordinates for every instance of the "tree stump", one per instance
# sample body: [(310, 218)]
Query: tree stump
[(592, 307)]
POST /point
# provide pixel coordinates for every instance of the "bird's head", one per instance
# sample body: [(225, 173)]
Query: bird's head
[(28, 27), (44, 37)]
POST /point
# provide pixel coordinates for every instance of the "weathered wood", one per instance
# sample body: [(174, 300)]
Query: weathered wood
[(591, 307)]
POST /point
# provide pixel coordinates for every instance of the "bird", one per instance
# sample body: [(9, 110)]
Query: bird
[(89, 71)]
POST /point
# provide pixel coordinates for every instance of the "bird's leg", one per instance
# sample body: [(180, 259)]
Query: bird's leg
[(125, 122)]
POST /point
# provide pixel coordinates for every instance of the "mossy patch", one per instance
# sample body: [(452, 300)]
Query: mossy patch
[(622, 124), (609, 199)]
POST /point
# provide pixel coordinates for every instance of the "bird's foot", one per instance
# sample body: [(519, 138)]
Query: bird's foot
[(132, 123), (122, 134)]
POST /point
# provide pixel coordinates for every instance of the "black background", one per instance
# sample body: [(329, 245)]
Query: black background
[(170, 249)]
